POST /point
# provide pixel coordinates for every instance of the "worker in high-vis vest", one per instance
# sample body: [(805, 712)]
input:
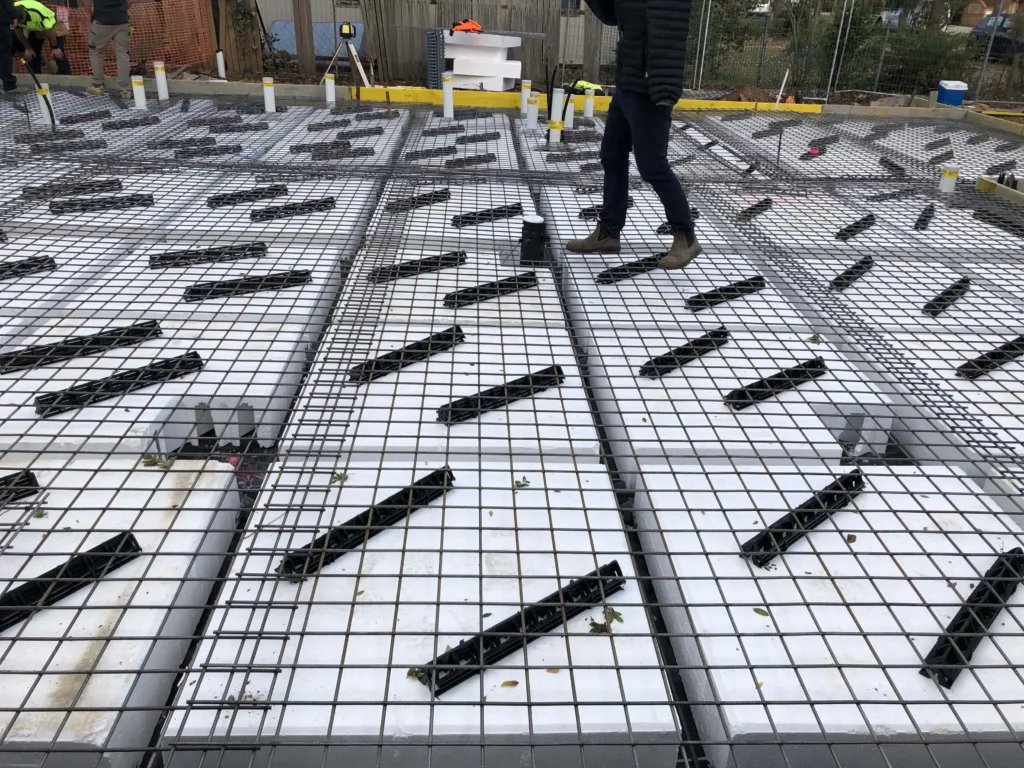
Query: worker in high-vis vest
[(35, 24)]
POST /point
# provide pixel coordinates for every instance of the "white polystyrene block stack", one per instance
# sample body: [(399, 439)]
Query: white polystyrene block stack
[(383, 145), (562, 206), (684, 412), (250, 374), (993, 404), (480, 61), (420, 298), (397, 414), (172, 193), (338, 226), (474, 69), (340, 644), (130, 289), (658, 298), (502, 147), (433, 225), (893, 294), (78, 259), (91, 673), (687, 137), (951, 230), (826, 643)]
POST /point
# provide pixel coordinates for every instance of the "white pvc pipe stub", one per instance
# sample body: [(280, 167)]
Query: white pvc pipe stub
[(222, 71), (330, 93), (43, 95), (269, 102), (570, 110), (524, 97), (448, 90), (588, 103), (557, 99), (532, 110), (160, 72), (139, 91)]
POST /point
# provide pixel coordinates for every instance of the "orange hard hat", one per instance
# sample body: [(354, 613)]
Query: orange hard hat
[(466, 25)]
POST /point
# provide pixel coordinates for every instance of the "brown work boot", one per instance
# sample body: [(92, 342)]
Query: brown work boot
[(595, 242), (685, 249), (95, 90), (126, 95)]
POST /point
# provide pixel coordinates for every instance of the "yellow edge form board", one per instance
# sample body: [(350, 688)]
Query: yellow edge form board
[(1001, 113), (511, 100)]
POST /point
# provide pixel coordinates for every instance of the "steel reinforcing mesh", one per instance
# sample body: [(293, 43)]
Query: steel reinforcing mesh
[(309, 456)]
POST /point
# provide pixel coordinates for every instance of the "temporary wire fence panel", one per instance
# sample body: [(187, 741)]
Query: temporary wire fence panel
[(177, 383), (824, 644), (405, 412), (838, 412), (89, 671), (363, 628)]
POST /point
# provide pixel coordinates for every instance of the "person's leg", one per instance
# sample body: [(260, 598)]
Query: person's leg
[(36, 41), (7, 78), (63, 65), (99, 39), (651, 126), (615, 147), (121, 42), (615, 161)]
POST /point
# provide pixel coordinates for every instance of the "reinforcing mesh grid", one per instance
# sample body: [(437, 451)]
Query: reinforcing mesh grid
[(312, 454)]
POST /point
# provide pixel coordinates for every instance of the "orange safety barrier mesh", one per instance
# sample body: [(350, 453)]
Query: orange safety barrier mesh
[(177, 32)]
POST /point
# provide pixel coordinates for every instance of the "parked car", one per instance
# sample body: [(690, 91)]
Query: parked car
[(1008, 35), (762, 9)]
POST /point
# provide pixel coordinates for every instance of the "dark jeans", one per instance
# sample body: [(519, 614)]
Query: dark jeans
[(635, 123), (7, 77), (36, 65)]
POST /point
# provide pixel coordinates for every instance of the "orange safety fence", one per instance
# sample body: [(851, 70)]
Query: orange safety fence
[(177, 32)]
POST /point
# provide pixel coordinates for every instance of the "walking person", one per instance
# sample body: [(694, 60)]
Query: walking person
[(7, 78), (36, 24), (648, 82), (109, 25)]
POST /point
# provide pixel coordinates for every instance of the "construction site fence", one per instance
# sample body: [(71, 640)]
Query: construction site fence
[(178, 32)]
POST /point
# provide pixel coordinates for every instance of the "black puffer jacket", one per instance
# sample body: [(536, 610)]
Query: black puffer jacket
[(652, 44), (6, 12)]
